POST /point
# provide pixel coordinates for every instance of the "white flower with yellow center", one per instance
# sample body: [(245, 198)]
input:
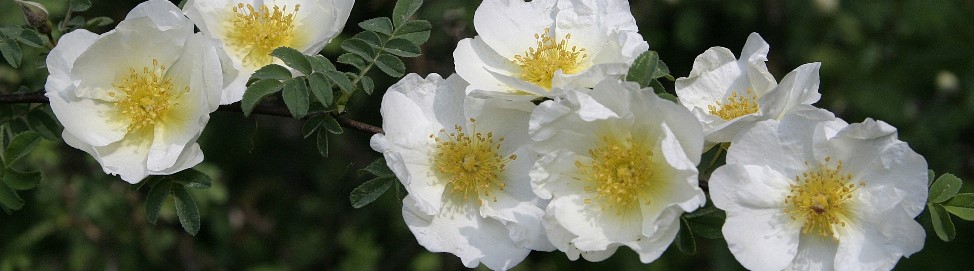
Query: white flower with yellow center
[(465, 163), (726, 94), (136, 98), (619, 168), (249, 30), (811, 192), (533, 49)]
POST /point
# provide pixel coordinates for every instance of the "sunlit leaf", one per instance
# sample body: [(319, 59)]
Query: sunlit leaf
[(944, 188), (382, 25), (416, 31), (272, 71), (341, 80), (321, 88), (256, 92), (359, 47), (295, 96), (404, 10), (961, 205), (293, 58), (379, 168), (352, 59), (391, 65), (942, 224), (402, 47), (320, 63), (370, 191), (367, 84)]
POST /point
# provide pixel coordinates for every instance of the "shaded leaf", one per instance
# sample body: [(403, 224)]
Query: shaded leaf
[(153, 201), (645, 68), (684, 239), (9, 198), (942, 224), (42, 122), (271, 71), (359, 47), (80, 5), (416, 31), (370, 191), (961, 205), (320, 63), (312, 125), (193, 179), (30, 38), (391, 65), (379, 168), (19, 180), (296, 97), (293, 58), (341, 80), (944, 188), (657, 86), (21, 145), (189, 215), (331, 125), (402, 47), (321, 88), (322, 142), (382, 25), (371, 38), (930, 176), (404, 10), (256, 92), (367, 84), (11, 51), (668, 97), (99, 21), (354, 60)]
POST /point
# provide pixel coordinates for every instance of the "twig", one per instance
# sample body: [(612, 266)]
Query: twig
[(38, 97)]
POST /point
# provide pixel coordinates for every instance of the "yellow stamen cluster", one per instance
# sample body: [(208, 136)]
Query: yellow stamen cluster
[(539, 64), (820, 199), (735, 106), (471, 162), (144, 97), (620, 173), (256, 32)]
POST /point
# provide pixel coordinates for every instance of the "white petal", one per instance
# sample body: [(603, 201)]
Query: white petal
[(651, 247), (798, 87), (814, 253), (321, 20), (472, 59), (509, 26), (716, 73), (126, 158), (62, 57), (459, 230), (761, 239), (763, 145), (163, 14), (92, 122), (879, 242), (596, 229), (740, 188)]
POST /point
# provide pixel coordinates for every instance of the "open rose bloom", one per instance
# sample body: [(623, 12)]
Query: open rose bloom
[(136, 98)]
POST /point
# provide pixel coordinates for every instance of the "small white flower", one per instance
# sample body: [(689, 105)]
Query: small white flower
[(811, 192), (464, 162), (532, 49), (726, 94), (249, 30), (136, 98), (619, 167)]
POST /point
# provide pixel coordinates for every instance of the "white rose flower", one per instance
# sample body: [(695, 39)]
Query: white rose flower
[(532, 49), (249, 30), (811, 192), (136, 98), (465, 163), (619, 168), (727, 94)]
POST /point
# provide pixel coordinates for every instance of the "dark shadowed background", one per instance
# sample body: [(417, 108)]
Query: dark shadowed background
[(278, 205)]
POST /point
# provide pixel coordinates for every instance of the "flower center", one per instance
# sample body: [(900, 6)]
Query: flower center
[(258, 31), (143, 98), (471, 162), (620, 173), (821, 199), (538, 64), (735, 106)]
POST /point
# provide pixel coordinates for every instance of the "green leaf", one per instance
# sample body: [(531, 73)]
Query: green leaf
[(370, 191), (153, 201), (379, 168), (312, 125), (19, 180), (391, 65), (42, 122), (354, 60), (341, 80), (402, 47), (80, 5), (11, 51), (320, 63), (944, 188), (359, 47), (416, 31), (293, 58), (257, 91), (668, 97), (404, 10), (657, 86), (961, 205), (322, 142), (684, 239), (189, 215), (331, 125), (21, 145), (372, 38), (321, 88), (296, 97), (30, 38), (930, 176), (367, 84), (193, 179), (99, 21), (942, 224), (382, 25), (271, 71), (645, 68), (10, 199)]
